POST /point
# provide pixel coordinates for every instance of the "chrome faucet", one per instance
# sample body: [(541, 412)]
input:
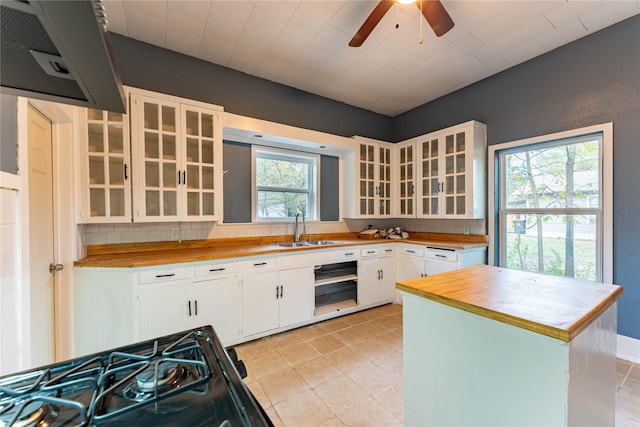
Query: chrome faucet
[(296, 232)]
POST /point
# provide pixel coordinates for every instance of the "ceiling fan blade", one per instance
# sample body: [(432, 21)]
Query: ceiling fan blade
[(436, 15), (370, 23)]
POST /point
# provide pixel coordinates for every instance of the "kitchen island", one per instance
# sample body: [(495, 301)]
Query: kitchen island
[(489, 346)]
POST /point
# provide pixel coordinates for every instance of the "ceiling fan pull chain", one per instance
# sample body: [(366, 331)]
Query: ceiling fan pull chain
[(420, 18), (397, 17)]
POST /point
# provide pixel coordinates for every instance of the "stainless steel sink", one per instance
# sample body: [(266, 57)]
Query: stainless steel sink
[(292, 244), (306, 243), (321, 242)]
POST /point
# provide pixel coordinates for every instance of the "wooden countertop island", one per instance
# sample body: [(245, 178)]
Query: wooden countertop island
[(489, 346)]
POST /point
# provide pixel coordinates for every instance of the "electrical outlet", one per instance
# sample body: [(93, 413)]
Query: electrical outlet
[(466, 229), (175, 234)]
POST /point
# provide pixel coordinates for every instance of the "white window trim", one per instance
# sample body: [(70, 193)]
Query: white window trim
[(607, 188), (314, 200)]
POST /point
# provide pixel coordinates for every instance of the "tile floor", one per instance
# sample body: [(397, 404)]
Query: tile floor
[(348, 371)]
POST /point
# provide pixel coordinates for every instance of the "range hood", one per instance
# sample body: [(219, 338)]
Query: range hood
[(59, 51)]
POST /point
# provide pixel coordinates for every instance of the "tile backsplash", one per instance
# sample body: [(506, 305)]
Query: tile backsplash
[(93, 234)]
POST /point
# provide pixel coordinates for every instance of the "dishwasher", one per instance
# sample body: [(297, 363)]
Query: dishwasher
[(440, 260)]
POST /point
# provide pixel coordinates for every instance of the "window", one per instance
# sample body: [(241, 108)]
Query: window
[(285, 184), (554, 204)]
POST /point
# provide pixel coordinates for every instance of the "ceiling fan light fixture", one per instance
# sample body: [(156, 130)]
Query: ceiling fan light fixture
[(406, 1)]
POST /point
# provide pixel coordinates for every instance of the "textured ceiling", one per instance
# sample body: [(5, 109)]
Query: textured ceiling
[(304, 44)]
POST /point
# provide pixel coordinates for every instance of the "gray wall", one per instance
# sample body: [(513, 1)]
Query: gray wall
[(593, 80), (149, 67), (8, 134)]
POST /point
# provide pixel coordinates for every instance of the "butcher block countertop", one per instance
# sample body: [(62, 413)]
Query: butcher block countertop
[(128, 255), (558, 307)]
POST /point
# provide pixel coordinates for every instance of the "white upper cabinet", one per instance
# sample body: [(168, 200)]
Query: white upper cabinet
[(406, 178), (370, 192), (178, 159), (105, 168), (451, 172)]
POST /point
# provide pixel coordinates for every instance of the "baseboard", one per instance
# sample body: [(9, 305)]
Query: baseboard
[(628, 349)]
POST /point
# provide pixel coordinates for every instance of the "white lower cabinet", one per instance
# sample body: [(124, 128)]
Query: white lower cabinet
[(242, 298), (376, 276), (276, 299), (172, 307)]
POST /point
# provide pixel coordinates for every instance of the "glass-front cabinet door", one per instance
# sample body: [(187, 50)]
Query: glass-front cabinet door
[(455, 173), (451, 172), (373, 180), (105, 184), (200, 162), (158, 175), (406, 179), (384, 181), (429, 183), (367, 185), (178, 153)]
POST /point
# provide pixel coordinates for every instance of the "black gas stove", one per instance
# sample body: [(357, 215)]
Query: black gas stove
[(184, 379)]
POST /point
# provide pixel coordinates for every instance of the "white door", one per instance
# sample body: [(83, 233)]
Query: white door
[(219, 304), (41, 244), (297, 295), (260, 294), (164, 309)]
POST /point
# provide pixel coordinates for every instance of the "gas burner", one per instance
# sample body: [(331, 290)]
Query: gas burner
[(149, 383), (30, 414)]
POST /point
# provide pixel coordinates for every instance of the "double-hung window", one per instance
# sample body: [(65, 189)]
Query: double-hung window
[(285, 184), (552, 203)]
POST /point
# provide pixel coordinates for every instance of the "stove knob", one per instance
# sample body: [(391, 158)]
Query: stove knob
[(242, 369), (232, 354)]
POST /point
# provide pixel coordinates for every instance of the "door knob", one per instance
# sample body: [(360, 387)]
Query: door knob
[(55, 267)]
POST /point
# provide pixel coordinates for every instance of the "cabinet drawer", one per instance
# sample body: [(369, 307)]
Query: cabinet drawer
[(442, 255), (258, 265), (388, 251), (166, 275), (219, 269), (412, 251), (369, 252)]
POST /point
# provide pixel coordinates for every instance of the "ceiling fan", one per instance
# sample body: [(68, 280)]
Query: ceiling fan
[(433, 10)]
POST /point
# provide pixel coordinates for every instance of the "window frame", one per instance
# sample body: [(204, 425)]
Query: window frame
[(282, 154), (604, 236)]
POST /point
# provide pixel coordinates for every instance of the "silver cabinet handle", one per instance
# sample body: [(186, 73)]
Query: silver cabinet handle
[(125, 172), (410, 251), (195, 303), (189, 305)]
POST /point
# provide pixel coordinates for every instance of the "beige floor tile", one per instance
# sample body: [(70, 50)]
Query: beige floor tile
[(268, 364), (312, 331), (335, 422), (392, 339), (390, 362), (259, 394), (285, 339), (369, 413), (350, 335), (255, 349), (347, 359), (341, 393), (392, 400), (305, 409), (373, 348), (317, 371), (299, 353), (373, 380), (373, 328), (283, 385), (336, 324), (327, 343), (275, 418)]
